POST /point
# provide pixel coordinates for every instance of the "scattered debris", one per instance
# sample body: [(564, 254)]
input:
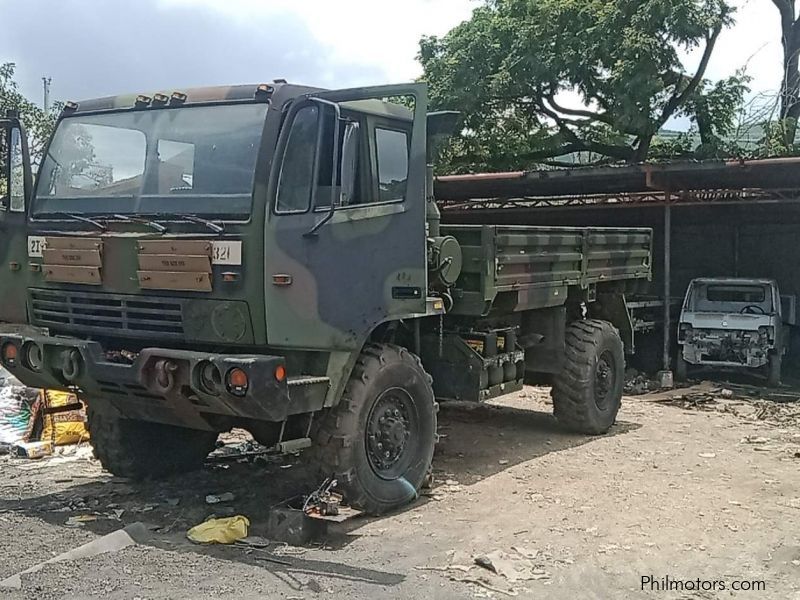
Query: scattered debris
[(324, 503), (216, 499), (755, 440), (637, 383), (80, 520), (220, 531), (486, 563), (33, 449), (294, 526), (254, 541), (498, 569), (113, 542)]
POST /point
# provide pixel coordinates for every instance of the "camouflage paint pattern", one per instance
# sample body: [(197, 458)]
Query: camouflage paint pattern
[(533, 266), (313, 299)]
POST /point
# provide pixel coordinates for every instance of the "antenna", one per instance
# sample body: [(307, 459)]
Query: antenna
[(46, 90)]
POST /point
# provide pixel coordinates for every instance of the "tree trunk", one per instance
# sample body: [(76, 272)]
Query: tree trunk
[(790, 87)]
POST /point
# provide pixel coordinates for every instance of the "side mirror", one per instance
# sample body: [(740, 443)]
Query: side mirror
[(347, 176)]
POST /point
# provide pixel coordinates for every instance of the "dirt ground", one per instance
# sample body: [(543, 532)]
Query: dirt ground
[(704, 487)]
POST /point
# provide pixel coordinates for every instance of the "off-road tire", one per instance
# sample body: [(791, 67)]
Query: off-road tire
[(142, 450), (681, 368), (345, 443), (587, 393), (774, 368)]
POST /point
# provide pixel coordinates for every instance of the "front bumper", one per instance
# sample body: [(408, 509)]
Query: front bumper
[(717, 354), (177, 387)]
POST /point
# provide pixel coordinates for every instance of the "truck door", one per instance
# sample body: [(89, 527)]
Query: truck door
[(15, 185), (345, 243)]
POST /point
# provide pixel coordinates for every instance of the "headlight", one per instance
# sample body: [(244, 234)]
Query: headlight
[(685, 332)]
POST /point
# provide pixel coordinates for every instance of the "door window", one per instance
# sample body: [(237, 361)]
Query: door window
[(392, 156), (295, 182)]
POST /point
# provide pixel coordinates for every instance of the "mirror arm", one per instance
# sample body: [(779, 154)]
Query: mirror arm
[(337, 120)]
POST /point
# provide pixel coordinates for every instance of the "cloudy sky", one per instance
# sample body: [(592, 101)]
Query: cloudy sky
[(101, 47)]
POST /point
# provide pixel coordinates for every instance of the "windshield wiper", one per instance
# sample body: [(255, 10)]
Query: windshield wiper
[(212, 225), (81, 218), (154, 224)]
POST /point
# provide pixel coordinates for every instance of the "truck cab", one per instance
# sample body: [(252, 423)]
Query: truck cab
[(732, 323)]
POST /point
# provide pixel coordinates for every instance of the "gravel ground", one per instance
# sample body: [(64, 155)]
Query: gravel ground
[(702, 487)]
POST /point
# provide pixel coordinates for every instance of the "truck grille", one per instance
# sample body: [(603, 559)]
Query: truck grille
[(135, 316)]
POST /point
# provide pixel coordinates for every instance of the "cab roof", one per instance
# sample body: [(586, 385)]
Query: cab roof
[(733, 280), (185, 97)]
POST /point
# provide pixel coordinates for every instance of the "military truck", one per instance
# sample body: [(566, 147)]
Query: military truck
[(271, 257)]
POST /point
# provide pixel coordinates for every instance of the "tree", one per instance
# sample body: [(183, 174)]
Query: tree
[(790, 86), (541, 79), (39, 124)]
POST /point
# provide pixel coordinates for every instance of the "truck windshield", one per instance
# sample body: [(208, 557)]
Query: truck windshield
[(188, 160)]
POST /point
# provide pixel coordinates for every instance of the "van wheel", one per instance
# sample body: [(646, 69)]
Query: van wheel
[(378, 441), (774, 370), (142, 450), (587, 394), (681, 368)]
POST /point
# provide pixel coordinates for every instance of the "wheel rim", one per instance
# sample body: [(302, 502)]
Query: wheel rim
[(605, 380), (392, 431)]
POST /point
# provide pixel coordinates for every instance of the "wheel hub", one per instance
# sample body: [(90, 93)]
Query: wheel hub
[(389, 429), (604, 380)]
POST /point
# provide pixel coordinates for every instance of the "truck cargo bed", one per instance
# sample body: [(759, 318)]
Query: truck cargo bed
[(528, 267)]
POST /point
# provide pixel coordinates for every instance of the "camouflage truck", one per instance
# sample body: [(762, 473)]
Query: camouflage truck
[(271, 257)]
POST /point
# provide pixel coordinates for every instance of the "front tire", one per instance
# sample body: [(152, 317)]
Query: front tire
[(681, 368), (774, 370), (587, 394), (142, 450), (378, 441)]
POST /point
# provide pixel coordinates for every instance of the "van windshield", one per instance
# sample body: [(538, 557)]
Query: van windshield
[(730, 297), (188, 160)]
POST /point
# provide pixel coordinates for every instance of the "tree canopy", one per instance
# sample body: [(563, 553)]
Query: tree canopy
[(38, 122), (537, 80)]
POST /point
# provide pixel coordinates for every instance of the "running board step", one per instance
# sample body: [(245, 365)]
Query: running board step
[(307, 380), (307, 393)]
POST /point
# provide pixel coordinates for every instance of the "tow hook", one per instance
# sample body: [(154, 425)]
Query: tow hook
[(165, 375), (71, 362)]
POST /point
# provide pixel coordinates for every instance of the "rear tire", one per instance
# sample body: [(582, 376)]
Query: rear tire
[(587, 394), (142, 450), (774, 370), (378, 441)]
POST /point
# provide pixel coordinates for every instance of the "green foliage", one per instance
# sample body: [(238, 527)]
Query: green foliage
[(594, 79), (39, 124)]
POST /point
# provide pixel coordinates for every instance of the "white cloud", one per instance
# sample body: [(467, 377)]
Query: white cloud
[(358, 32)]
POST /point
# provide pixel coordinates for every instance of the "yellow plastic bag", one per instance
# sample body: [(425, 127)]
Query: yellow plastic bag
[(220, 531), (63, 428)]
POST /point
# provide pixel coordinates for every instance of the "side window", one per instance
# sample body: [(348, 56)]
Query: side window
[(295, 182), (392, 155), (348, 195)]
